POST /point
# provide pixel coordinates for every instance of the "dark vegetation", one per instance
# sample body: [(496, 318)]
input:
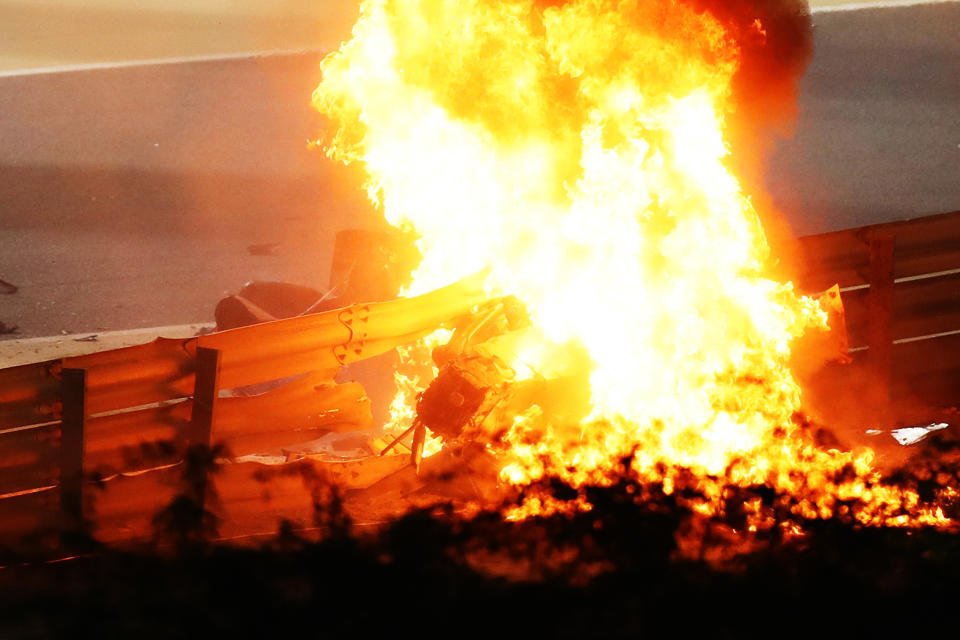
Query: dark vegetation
[(614, 571)]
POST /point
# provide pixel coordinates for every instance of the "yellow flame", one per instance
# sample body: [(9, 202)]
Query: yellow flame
[(575, 149)]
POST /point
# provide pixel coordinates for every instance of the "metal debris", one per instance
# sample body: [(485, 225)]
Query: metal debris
[(912, 435), (267, 249)]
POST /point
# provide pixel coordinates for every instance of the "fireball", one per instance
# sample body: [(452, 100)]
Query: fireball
[(575, 152)]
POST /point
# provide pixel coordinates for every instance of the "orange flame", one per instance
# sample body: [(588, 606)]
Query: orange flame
[(575, 150)]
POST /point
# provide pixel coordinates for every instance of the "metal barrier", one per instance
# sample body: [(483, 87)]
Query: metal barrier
[(72, 425), (900, 286), (69, 427)]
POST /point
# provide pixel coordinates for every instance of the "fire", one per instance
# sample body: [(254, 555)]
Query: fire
[(575, 152)]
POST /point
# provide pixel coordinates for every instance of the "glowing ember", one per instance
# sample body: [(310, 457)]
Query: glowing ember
[(575, 151)]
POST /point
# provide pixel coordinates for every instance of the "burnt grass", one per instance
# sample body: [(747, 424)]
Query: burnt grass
[(614, 571)]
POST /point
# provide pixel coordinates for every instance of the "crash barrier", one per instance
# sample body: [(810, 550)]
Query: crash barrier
[(900, 287), (79, 433), (97, 428)]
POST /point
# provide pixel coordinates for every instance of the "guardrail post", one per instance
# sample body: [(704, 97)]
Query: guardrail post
[(880, 308), (74, 396), (206, 387)]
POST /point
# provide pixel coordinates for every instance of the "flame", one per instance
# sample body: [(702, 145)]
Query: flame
[(575, 150)]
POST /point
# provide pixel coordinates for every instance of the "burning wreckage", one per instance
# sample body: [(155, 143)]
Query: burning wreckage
[(618, 314), (576, 155)]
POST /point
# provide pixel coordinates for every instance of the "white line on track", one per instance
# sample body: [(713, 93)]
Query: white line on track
[(245, 55), (878, 4)]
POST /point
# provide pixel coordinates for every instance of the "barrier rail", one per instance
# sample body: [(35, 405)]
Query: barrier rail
[(68, 426), (121, 419), (900, 286)]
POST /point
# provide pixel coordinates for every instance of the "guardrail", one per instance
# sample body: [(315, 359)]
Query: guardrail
[(111, 428), (112, 419), (900, 286)]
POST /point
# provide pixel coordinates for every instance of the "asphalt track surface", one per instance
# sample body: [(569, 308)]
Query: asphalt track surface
[(138, 196), (878, 134)]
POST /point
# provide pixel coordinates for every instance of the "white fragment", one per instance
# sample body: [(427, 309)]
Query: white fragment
[(912, 435), (261, 459)]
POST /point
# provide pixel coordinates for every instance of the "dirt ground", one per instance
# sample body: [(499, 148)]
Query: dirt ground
[(27, 350)]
